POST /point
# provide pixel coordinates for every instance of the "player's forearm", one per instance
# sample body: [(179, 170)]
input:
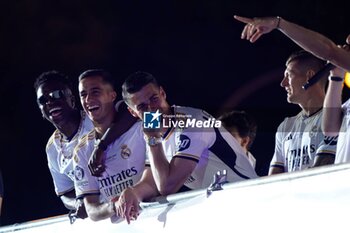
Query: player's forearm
[(309, 40), (317, 44), (332, 115), (146, 188), (275, 170), (161, 170), (321, 160), (68, 200), (145, 191), (100, 211)]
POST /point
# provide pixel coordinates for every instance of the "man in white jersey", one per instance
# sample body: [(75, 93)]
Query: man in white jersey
[(124, 158), (335, 114), (300, 143), (57, 104), (180, 158)]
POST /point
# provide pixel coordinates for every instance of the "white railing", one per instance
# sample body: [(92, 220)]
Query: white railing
[(315, 200)]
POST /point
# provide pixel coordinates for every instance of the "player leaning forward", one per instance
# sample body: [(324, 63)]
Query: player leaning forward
[(179, 158), (124, 158)]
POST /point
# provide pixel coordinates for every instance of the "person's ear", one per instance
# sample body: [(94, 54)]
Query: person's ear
[(114, 95), (162, 92), (310, 74)]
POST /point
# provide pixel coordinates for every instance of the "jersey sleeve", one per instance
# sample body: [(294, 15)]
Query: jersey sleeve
[(328, 146), (190, 145), (85, 183), (278, 159), (61, 181)]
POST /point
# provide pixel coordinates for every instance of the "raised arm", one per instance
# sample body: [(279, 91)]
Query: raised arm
[(309, 40), (332, 116)]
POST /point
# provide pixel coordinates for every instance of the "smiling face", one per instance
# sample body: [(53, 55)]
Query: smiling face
[(97, 98), (56, 102)]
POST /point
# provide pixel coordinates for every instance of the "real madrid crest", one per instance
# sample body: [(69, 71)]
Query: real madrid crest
[(125, 152)]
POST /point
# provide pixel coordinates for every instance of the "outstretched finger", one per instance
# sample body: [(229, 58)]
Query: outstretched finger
[(243, 19)]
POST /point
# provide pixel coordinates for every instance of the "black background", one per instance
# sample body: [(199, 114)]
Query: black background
[(192, 47)]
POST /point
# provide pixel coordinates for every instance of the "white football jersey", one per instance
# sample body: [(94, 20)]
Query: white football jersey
[(343, 148), (214, 149), (298, 140), (124, 161), (59, 153)]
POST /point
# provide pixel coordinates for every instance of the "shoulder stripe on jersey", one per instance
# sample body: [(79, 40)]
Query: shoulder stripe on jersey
[(186, 157), (50, 142), (84, 140), (225, 153), (57, 134), (277, 165), (65, 191), (326, 153)]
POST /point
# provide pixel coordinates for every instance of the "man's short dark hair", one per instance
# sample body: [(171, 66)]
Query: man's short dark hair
[(242, 122), (308, 60), (105, 75), (52, 76), (136, 81)]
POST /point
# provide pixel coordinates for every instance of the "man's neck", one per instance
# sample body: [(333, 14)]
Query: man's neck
[(313, 104), (102, 126), (71, 126)]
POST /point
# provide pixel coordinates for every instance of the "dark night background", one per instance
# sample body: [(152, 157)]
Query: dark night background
[(192, 47)]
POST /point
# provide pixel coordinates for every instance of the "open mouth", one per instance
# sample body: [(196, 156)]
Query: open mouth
[(93, 108), (54, 112)]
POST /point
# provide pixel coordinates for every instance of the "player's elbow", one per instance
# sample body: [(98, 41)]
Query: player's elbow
[(330, 134), (330, 130), (331, 53), (165, 190)]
